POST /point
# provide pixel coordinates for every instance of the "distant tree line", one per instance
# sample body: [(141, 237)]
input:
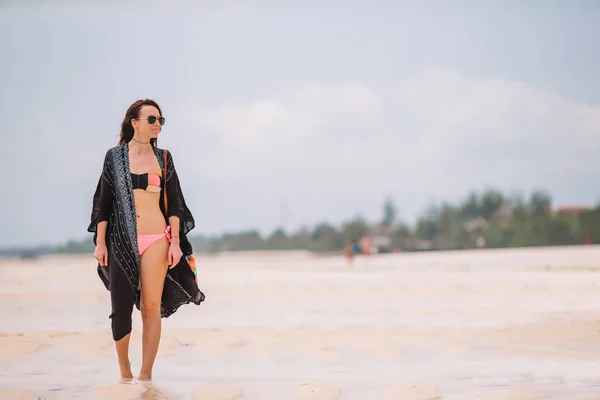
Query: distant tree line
[(502, 221), (496, 219), (512, 221)]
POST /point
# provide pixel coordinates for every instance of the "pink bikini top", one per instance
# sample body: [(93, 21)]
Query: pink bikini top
[(150, 182)]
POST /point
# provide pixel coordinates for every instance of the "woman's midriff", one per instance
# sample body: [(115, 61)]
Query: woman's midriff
[(150, 219)]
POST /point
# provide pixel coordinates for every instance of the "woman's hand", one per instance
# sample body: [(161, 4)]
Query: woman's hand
[(174, 254), (101, 254)]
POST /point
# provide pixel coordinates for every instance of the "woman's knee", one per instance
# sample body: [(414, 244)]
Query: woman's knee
[(150, 309)]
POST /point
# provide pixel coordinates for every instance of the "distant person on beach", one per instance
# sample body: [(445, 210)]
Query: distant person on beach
[(365, 245), (349, 251), (480, 240), (140, 223)]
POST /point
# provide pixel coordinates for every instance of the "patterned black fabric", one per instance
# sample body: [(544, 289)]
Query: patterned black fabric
[(113, 202)]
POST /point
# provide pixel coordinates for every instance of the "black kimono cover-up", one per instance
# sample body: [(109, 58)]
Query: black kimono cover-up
[(113, 202)]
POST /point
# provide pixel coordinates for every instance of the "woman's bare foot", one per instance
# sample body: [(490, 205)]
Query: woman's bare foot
[(126, 374), (145, 377)]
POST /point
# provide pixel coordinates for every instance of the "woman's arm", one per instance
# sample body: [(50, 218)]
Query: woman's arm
[(175, 211), (101, 251), (174, 223), (175, 202), (101, 234), (101, 210), (103, 198)]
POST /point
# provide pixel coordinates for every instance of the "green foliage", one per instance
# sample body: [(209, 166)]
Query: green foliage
[(539, 203), (389, 212), (589, 225), (355, 229), (499, 236), (471, 208), (490, 201)]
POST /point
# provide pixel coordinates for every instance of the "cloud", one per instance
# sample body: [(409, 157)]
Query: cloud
[(435, 135), (294, 131), (504, 127), (321, 152)]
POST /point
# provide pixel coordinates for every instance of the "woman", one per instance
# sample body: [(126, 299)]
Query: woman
[(140, 233)]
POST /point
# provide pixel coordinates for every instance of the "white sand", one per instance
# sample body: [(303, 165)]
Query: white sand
[(17, 394), (218, 392), (316, 392), (413, 391), (502, 324), (124, 392)]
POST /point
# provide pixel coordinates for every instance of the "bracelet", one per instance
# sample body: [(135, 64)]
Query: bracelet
[(174, 237)]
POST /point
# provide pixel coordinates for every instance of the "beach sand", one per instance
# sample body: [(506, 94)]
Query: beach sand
[(488, 324)]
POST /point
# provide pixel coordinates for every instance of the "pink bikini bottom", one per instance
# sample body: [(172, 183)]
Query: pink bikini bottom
[(144, 241)]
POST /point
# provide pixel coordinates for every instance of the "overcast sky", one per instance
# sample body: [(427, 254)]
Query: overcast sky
[(303, 112)]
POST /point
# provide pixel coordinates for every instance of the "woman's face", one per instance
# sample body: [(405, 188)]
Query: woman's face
[(143, 127)]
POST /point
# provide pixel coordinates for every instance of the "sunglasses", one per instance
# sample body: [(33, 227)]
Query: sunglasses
[(152, 119)]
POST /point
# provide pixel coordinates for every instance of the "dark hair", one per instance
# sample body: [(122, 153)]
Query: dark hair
[(133, 112)]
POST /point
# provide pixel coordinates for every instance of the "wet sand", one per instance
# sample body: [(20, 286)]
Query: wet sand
[(491, 324)]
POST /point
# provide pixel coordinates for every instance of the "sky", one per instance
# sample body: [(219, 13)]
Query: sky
[(295, 113)]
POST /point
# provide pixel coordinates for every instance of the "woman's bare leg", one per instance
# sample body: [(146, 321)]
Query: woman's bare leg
[(123, 354), (152, 274)]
